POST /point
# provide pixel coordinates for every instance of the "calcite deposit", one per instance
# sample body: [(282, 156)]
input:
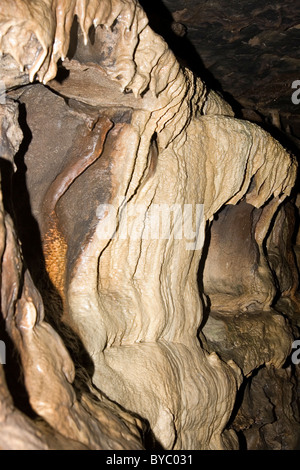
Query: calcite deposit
[(146, 240)]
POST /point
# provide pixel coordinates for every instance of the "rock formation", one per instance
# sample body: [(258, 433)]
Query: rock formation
[(135, 320)]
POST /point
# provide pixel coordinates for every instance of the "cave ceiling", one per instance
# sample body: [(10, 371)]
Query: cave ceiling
[(248, 50)]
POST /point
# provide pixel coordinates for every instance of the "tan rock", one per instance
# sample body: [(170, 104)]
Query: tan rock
[(126, 169)]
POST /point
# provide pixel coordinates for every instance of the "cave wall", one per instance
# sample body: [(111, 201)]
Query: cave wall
[(125, 339)]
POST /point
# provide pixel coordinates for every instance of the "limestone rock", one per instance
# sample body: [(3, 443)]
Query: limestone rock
[(125, 160)]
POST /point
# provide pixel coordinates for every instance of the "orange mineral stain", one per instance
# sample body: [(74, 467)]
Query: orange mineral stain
[(55, 252)]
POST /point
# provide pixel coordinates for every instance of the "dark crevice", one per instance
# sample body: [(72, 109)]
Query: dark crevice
[(206, 303), (14, 374)]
